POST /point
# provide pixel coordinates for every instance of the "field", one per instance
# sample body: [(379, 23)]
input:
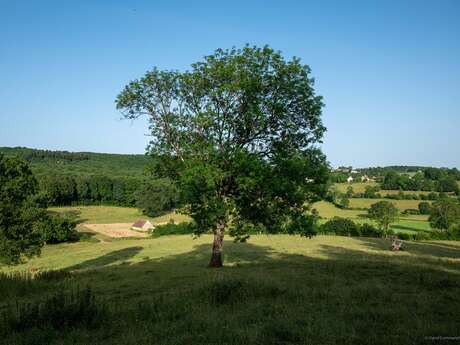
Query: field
[(276, 289), (400, 204), (113, 214), (407, 223), (360, 187)]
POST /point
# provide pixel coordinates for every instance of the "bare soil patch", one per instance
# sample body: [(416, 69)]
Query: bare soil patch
[(116, 230)]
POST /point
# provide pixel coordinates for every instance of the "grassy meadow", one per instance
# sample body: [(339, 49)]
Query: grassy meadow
[(275, 289)]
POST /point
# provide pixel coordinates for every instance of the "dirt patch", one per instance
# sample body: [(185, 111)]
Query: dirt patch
[(116, 230)]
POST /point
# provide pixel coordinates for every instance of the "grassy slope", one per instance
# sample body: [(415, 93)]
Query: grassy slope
[(114, 165), (325, 290)]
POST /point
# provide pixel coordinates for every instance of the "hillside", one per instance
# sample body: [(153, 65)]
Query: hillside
[(45, 162)]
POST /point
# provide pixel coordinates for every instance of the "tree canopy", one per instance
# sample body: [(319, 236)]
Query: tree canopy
[(384, 213), (238, 133), (444, 213), (19, 216)]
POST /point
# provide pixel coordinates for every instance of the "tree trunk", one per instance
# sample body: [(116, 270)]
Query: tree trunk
[(216, 256)]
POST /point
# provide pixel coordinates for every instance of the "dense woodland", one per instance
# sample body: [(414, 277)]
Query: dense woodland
[(69, 178)]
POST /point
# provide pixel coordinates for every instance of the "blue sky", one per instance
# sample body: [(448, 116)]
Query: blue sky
[(389, 71)]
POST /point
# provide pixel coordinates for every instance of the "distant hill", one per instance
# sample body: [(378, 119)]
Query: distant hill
[(45, 162)]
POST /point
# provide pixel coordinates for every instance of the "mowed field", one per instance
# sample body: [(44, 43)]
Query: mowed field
[(114, 214), (276, 289)]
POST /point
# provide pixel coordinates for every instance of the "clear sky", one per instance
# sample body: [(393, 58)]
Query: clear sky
[(389, 71)]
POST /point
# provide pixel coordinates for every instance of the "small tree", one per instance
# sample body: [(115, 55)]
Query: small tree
[(444, 213), (384, 213), (344, 201), (238, 134), (350, 192)]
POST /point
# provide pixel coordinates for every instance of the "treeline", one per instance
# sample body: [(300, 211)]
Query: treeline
[(33, 155), (62, 190), (152, 196), (403, 169), (431, 179)]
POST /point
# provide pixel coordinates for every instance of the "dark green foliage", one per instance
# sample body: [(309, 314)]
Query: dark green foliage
[(341, 226), (371, 192), (432, 179), (384, 213), (56, 229), (424, 207), (235, 149), (368, 230), (157, 197), (184, 228), (110, 165), (20, 215), (444, 213)]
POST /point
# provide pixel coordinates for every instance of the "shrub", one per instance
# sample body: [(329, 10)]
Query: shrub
[(368, 230), (341, 226), (411, 211), (184, 228), (405, 236), (424, 207)]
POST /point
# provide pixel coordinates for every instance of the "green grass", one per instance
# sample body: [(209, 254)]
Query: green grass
[(114, 214), (273, 290), (358, 187), (400, 204), (407, 223)]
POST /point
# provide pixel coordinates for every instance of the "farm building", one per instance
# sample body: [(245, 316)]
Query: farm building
[(142, 225)]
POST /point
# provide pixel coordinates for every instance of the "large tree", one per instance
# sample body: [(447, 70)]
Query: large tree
[(239, 133), (20, 216)]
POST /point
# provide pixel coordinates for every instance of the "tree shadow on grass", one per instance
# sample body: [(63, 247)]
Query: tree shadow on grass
[(327, 294), (433, 249), (118, 255)]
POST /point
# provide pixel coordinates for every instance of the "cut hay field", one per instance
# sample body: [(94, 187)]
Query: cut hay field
[(275, 289), (114, 214)]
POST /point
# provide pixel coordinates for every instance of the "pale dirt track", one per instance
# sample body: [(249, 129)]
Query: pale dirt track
[(116, 230)]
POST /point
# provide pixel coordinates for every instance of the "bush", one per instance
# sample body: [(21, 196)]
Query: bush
[(184, 228), (411, 211), (368, 230), (341, 226), (424, 207), (57, 229)]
